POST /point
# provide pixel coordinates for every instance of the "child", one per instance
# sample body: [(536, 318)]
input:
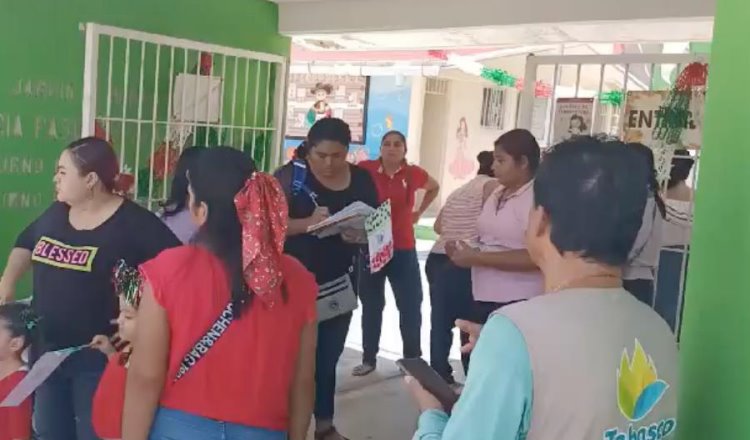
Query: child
[(110, 395), (17, 324)]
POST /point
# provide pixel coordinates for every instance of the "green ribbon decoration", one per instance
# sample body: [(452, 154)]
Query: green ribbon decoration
[(673, 117), (499, 77), (614, 98)]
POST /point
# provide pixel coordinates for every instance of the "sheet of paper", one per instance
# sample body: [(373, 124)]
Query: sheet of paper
[(351, 217), (380, 236), (42, 369)]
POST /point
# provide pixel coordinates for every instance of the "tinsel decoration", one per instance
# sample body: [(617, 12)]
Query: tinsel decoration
[(128, 283), (673, 116), (615, 98), (469, 66), (498, 76), (541, 89)]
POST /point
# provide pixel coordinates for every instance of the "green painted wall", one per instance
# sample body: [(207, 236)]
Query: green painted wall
[(715, 355), (41, 76)]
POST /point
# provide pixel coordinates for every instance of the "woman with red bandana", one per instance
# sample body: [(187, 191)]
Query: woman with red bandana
[(226, 334)]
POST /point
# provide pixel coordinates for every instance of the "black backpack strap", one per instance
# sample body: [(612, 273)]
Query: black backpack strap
[(207, 341)]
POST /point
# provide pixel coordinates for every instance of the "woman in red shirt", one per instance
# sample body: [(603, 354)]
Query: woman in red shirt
[(226, 327), (397, 181)]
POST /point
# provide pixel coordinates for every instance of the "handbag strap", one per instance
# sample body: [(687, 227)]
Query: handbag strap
[(206, 341)]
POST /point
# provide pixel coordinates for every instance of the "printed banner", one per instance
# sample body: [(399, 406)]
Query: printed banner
[(572, 117), (380, 236), (42, 369), (312, 97), (641, 118)]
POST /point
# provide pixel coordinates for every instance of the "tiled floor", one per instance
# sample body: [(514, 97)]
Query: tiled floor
[(377, 407)]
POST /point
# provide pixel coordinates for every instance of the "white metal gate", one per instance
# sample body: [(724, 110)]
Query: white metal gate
[(152, 96), (568, 75), (611, 72)]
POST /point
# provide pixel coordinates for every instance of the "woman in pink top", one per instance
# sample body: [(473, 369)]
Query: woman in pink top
[(501, 270)]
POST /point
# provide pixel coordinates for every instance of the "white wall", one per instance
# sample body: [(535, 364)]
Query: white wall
[(416, 113), (432, 148), (459, 163)]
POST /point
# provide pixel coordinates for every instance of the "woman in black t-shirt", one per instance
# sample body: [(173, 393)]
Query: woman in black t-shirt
[(317, 186), (74, 247)]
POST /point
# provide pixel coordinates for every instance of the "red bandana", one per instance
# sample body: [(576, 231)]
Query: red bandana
[(263, 213)]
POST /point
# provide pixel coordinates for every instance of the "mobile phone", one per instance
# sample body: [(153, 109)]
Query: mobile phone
[(430, 381)]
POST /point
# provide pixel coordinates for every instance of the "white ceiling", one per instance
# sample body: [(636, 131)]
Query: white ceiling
[(623, 32)]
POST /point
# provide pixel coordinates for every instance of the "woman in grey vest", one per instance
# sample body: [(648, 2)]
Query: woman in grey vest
[(586, 360)]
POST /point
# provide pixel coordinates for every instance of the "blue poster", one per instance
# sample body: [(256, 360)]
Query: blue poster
[(387, 109)]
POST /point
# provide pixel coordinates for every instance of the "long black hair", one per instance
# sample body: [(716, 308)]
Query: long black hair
[(653, 182), (215, 180), (178, 193), (20, 320)]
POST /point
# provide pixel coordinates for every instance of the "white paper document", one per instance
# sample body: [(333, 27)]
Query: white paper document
[(42, 369), (351, 217)]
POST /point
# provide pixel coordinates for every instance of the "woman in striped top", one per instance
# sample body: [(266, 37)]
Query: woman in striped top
[(450, 285)]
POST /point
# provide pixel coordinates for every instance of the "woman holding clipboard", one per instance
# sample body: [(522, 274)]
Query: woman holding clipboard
[(318, 183)]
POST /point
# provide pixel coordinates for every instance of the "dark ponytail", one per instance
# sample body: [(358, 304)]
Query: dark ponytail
[(301, 151), (178, 193), (653, 182), (215, 180), (94, 155), (486, 159)]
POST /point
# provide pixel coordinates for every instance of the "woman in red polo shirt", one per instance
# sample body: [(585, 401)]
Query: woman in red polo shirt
[(226, 327), (397, 181)]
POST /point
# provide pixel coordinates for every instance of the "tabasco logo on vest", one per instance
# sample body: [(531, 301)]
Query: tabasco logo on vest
[(639, 390), (64, 256)]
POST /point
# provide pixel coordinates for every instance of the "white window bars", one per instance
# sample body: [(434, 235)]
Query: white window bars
[(492, 114), (570, 77), (153, 95)]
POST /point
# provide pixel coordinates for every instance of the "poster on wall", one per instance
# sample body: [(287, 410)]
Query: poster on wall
[(461, 166), (312, 97), (572, 117), (642, 116)]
